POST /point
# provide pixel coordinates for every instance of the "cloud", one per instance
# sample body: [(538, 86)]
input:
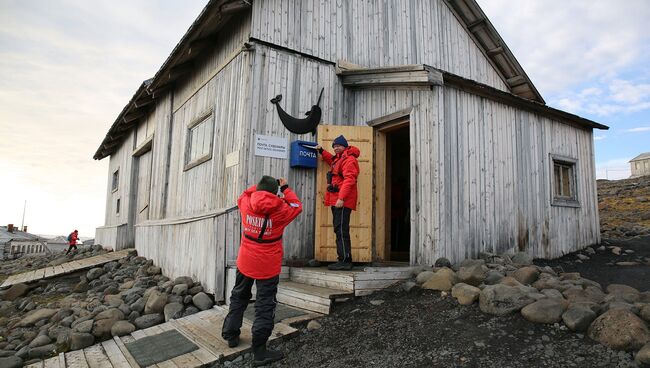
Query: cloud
[(599, 137), (639, 129), (612, 97)]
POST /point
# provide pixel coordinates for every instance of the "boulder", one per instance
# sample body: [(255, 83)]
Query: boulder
[(173, 311), (195, 290), (85, 326), (473, 274), (493, 277), (502, 299), (102, 328), (526, 275), (112, 313), (552, 293), (153, 270), (202, 301), (423, 277), (589, 295), (184, 280), (578, 318), (510, 281), (155, 303), (465, 294), (11, 362), (121, 328), (80, 340), (40, 340), (408, 286), (442, 280), (148, 320), (620, 329), (644, 312), (94, 273), (544, 310), (180, 289), (127, 285), (621, 289), (15, 291), (442, 262), (643, 356), (313, 325), (522, 258), (42, 351), (33, 317), (138, 306)]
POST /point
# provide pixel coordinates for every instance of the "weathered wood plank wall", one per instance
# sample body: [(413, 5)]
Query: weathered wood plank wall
[(375, 33)]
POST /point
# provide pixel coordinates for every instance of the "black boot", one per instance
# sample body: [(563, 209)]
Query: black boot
[(232, 343), (335, 266), (263, 356)]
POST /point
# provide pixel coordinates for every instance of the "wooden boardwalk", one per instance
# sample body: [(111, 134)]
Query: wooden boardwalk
[(68, 267), (203, 329)]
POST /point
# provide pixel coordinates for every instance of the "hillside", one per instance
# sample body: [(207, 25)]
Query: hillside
[(624, 207)]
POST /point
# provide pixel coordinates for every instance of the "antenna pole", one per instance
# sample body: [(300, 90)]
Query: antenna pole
[(22, 226)]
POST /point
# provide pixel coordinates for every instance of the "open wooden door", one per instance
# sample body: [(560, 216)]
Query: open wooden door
[(361, 221)]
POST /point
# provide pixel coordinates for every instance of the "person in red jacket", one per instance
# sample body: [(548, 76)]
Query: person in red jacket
[(342, 195), (264, 215), (72, 241)]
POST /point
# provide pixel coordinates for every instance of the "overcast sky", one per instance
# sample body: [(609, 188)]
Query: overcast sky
[(67, 68)]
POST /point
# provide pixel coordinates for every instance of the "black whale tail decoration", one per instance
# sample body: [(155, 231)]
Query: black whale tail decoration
[(300, 126)]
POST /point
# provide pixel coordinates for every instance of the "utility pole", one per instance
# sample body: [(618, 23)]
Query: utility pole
[(22, 226)]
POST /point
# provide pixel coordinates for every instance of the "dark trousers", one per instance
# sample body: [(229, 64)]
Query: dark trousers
[(264, 308), (70, 248), (342, 230)]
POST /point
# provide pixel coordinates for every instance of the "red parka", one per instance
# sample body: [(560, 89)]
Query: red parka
[(261, 257), (345, 170), (73, 238)]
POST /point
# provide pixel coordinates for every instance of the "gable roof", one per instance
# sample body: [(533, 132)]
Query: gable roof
[(643, 156), (6, 236)]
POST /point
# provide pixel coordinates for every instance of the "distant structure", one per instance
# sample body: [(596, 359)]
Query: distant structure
[(15, 243), (640, 165), (58, 244)]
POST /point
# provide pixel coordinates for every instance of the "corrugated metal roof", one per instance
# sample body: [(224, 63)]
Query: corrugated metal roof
[(643, 156), (6, 236)]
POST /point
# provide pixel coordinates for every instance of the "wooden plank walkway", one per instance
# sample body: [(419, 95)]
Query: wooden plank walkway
[(68, 267), (203, 329)]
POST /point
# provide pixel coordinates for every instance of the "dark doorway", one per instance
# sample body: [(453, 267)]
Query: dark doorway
[(398, 171)]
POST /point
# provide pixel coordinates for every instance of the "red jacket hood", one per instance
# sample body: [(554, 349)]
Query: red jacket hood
[(351, 151), (264, 202)]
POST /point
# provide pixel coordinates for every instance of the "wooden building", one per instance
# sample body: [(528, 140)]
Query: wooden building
[(15, 243), (459, 153), (640, 165)]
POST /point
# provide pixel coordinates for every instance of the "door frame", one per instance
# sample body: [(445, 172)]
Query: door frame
[(381, 208)]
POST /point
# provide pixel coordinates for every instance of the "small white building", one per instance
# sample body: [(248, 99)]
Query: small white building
[(640, 165), (15, 243)]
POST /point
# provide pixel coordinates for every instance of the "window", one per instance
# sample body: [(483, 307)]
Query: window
[(116, 180), (564, 182), (198, 147), (117, 207)]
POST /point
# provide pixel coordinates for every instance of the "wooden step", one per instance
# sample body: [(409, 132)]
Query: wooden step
[(340, 280), (313, 298)]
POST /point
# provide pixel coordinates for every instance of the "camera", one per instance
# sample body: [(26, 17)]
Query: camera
[(331, 188)]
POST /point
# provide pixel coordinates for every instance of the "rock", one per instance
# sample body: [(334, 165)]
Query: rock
[(173, 311), (180, 289), (621, 289), (184, 280), (11, 362), (510, 281), (423, 277), (313, 263), (465, 294), (112, 313), (127, 285), (442, 280), (190, 310), (590, 295), (202, 301), (502, 299), (80, 340), (620, 329), (442, 262), (42, 351), (94, 273), (133, 316), (81, 287), (408, 286), (642, 357), (624, 264), (493, 277), (85, 326), (138, 306), (40, 340), (623, 305), (616, 250), (377, 302), (35, 316), (195, 290), (155, 303), (582, 257), (313, 325), (121, 328), (153, 270), (578, 318), (473, 274), (124, 309), (187, 299), (15, 291), (526, 275), (148, 320), (644, 312), (552, 293), (522, 258), (102, 328), (590, 250), (545, 311)]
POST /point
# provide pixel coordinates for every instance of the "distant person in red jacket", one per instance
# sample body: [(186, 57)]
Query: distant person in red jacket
[(72, 241), (341, 195), (264, 215)]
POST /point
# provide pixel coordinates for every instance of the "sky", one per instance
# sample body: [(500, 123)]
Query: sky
[(68, 67)]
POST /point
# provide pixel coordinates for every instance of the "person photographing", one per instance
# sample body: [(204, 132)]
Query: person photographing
[(264, 215), (341, 195)]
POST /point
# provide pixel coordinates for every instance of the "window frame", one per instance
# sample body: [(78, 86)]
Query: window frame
[(117, 207), (205, 117), (115, 184), (572, 164)]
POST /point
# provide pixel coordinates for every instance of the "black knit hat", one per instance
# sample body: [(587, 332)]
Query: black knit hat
[(268, 183), (341, 141)]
